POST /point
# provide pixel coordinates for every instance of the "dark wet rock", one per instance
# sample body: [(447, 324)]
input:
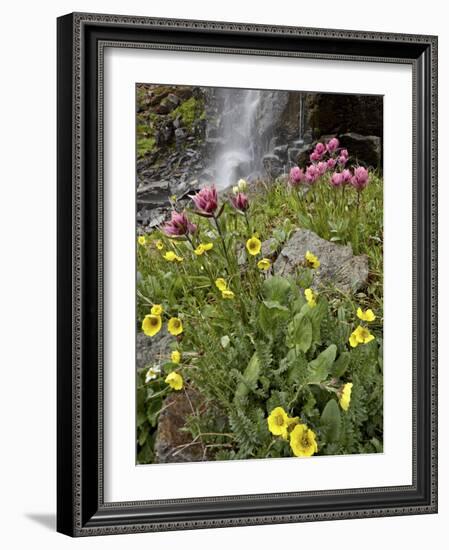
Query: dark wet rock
[(281, 151), (339, 267), (362, 149), (172, 443), (273, 165), (153, 193)]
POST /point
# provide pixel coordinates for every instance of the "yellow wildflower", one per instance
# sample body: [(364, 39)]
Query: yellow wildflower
[(176, 356), (170, 256), (221, 284), (202, 248), (157, 309), (253, 246), (264, 264), (311, 260), (303, 441), (345, 396), (173, 198), (175, 381), (227, 294), (310, 297), (278, 422), (141, 240), (175, 326), (159, 244), (366, 315), (361, 335), (151, 324)]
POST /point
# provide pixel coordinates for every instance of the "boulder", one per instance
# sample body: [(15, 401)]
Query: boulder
[(273, 165), (151, 350), (153, 193), (362, 149), (339, 267), (172, 443)]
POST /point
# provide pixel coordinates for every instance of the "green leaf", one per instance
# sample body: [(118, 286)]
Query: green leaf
[(270, 312), (320, 368), (331, 421), (297, 371), (249, 379), (341, 364), (300, 332), (276, 289)]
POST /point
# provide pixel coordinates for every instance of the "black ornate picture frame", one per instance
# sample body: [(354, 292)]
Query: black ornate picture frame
[(81, 509)]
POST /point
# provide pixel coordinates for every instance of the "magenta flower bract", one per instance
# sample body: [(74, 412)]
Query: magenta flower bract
[(320, 149), (346, 175), (240, 202), (331, 163), (336, 179), (314, 156), (344, 153), (332, 145), (342, 160), (360, 178), (206, 200), (321, 167), (312, 173), (178, 225), (296, 176)]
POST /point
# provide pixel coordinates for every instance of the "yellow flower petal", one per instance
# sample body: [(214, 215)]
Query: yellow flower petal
[(176, 356), (175, 381), (311, 260), (367, 315), (151, 324), (345, 397), (303, 441), (353, 340), (227, 294), (157, 309), (174, 326), (278, 422), (141, 240), (253, 246), (221, 284), (264, 264), (159, 245), (310, 297)]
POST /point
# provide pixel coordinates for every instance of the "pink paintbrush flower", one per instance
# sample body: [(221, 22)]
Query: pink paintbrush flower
[(320, 149), (296, 176), (332, 145), (206, 200), (321, 167), (360, 178), (179, 225), (336, 179), (240, 202), (331, 163), (312, 173), (346, 175)]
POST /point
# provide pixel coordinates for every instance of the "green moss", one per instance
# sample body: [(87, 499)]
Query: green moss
[(189, 111), (145, 145)]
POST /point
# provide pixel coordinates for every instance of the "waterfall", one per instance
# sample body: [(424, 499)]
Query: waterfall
[(238, 155)]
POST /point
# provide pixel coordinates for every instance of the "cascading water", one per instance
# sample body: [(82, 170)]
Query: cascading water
[(238, 156)]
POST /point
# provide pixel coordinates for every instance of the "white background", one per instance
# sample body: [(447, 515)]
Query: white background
[(123, 481), (27, 218)]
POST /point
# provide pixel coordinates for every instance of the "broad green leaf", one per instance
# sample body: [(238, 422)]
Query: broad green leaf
[(250, 378), (270, 312), (320, 368), (297, 371), (277, 289), (331, 421), (340, 365), (300, 332)]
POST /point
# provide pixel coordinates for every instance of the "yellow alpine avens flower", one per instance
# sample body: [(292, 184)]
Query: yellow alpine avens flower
[(175, 381), (202, 248), (253, 246), (221, 284), (310, 297), (278, 422), (303, 441), (159, 245), (157, 309), (151, 324), (361, 335), (366, 315), (264, 264), (141, 240), (176, 356), (170, 256), (311, 260), (345, 396), (227, 294), (175, 326)]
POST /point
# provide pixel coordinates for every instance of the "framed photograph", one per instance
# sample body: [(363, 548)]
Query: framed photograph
[(247, 278)]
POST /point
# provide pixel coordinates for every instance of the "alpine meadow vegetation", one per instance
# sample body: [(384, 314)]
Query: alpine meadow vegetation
[(285, 367)]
